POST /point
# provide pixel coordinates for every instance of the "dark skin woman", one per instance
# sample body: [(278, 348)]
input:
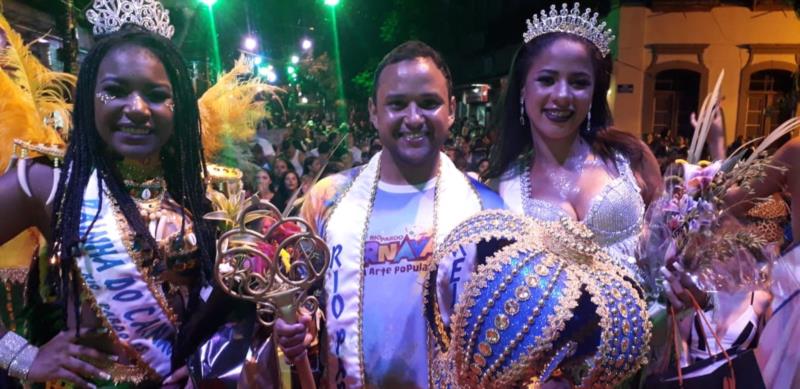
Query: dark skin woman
[(135, 121)]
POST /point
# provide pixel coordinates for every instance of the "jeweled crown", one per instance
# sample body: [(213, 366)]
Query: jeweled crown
[(108, 16), (571, 22)]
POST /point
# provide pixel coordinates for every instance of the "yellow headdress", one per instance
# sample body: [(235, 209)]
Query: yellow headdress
[(32, 98), (229, 112)]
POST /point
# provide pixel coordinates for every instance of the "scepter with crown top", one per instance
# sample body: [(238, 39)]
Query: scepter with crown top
[(269, 260)]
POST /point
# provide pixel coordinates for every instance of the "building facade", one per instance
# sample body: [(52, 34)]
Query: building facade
[(671, 52)]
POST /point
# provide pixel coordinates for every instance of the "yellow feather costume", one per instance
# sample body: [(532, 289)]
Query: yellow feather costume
[(229, 114), (32, 99), (228, 110)]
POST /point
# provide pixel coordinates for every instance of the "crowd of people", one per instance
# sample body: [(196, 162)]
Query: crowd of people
[(131, 261), (291, 154)]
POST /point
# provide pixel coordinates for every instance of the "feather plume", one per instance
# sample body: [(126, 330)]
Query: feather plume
[(707, 112), (31, 96), (229, 112), (785, 128)]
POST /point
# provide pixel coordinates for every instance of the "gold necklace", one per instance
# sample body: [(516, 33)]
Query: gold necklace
[(365, 230)]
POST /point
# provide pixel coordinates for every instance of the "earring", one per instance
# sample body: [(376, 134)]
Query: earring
[(522, 111), (170, 106), (104, 97), (589, 121)]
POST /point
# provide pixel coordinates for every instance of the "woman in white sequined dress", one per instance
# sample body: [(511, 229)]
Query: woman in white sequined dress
[(556, 155)]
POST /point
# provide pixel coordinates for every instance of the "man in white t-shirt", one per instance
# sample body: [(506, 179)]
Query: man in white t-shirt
[(261, 139), (353, 148), (382, 222)]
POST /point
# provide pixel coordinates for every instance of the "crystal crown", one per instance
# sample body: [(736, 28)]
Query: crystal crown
[(571, 22), (108, 16)]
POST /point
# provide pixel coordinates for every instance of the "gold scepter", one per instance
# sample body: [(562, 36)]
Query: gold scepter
[(276, 282)]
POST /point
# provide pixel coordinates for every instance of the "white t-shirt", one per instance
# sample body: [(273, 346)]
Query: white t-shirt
[(298, 167), (266, 146), (396, 252), (355, 152)]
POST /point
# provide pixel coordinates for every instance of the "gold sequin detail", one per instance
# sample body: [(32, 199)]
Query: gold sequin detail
[(522, 292), (501, 321), (492, 336), (542, 270), (511, 307), (485, 349)]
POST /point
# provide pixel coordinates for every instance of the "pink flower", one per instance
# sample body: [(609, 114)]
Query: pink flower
[(674, 222), (698, 178), (284, 230), (258, 264)]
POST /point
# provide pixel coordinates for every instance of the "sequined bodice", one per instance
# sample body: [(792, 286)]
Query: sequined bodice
[(615, 216)]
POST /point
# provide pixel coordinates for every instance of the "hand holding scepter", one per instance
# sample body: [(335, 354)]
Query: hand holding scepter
[(272, 265)]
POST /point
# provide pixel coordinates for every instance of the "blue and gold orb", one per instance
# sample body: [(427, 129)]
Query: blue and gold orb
[(551, 300)]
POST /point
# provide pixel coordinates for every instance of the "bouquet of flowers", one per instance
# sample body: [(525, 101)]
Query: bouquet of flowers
[(229, 209), (692, 223)]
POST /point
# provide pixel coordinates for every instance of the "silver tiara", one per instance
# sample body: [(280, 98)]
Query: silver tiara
[(108, 16), (570, 22)]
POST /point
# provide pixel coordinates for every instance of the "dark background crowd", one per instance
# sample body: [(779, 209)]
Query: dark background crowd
[(291, 150)]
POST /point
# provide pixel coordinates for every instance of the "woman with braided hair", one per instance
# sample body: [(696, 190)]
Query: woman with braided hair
[(130, 249)]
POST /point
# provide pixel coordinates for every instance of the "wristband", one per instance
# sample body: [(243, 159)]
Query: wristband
[(22, 363), (10, 345)]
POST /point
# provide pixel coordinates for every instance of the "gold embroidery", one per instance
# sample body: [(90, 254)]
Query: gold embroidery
[(127, 237), (133, 374)]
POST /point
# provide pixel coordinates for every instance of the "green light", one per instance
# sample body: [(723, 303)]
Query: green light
[(341, 108), (262, 71), (216, 62), (295, 59), (290, 69), (331, 3)]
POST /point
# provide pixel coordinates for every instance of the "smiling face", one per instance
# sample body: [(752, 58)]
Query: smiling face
[(412, 111), (133, 105), (558, 89)]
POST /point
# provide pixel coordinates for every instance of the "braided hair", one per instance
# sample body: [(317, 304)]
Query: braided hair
[(181, 160)]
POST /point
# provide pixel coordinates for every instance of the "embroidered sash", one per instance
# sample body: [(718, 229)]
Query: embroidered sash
[(345, 233), (122, 296)]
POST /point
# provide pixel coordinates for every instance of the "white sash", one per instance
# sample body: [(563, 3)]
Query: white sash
[(122, 296), (345, 234)]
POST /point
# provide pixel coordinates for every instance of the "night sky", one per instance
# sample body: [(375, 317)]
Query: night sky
[(464, 30)]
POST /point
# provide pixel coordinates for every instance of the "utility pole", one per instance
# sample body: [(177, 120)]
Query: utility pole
[(69, 36)]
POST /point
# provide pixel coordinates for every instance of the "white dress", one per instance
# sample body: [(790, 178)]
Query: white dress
[(616, 213), (778, 353)]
